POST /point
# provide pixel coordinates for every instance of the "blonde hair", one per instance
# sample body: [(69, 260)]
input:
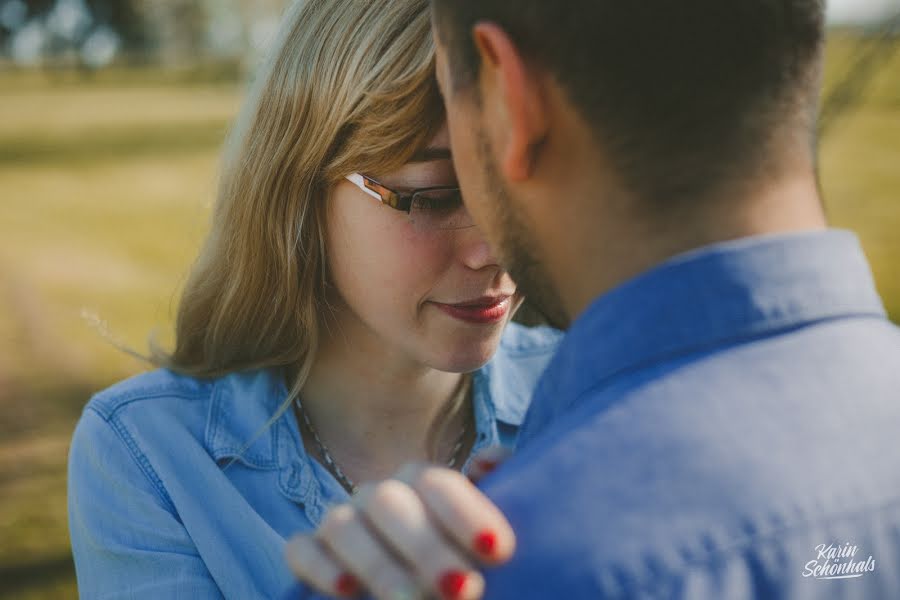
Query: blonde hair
[(348, 86)]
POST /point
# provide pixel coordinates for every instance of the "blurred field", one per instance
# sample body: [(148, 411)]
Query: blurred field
[(105, 188)]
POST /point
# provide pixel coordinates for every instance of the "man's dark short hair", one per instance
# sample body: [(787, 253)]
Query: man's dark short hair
[(683, 95)]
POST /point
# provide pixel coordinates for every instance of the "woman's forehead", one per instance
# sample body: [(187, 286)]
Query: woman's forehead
[(437, 149), (435, 170)]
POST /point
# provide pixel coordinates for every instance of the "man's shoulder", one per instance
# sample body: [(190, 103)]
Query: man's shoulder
[(787, 435), (777, 551), (767, 402)]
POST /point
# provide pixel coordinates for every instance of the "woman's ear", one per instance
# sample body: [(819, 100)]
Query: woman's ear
[(513, 101)]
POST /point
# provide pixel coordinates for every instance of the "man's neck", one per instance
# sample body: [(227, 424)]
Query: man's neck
[(590, 261)]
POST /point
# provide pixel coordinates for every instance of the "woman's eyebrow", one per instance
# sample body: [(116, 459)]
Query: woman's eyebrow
[(430, 154)]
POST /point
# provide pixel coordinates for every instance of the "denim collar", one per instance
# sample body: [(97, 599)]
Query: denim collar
[(242, 405), (239, 430), (720, 294)]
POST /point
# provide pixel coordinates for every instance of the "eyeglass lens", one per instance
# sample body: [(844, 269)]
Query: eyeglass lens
[(439, 209)]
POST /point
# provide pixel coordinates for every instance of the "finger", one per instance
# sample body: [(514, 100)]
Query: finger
[(312, 565), (486, 461), (396, 512), (349, 539), (462, 512)]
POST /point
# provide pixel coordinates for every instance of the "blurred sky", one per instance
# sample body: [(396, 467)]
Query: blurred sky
[(861, 11)]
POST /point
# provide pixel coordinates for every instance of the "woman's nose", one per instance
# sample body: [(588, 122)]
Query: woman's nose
[(474, 250)]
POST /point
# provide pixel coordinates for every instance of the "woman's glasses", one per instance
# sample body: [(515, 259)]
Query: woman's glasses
[(429, 209)]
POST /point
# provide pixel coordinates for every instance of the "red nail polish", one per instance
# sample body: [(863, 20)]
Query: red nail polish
[(347, 585), (487, 465), (452, 583), (486, 543)]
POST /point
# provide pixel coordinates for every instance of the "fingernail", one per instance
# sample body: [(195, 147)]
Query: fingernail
[(452, 584), (486, 543), (347, 585), (487, 465)]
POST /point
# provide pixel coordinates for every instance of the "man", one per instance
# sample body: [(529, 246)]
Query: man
[(720, 420)]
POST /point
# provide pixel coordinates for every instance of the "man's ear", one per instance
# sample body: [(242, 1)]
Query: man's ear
[(511, 93)]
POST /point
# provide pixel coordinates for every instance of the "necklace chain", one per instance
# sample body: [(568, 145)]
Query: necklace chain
[(345, 481)]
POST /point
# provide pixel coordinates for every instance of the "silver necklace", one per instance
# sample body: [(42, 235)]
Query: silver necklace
[(339, 474)]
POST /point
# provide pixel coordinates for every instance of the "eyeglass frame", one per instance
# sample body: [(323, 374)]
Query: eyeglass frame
[(397, 200)]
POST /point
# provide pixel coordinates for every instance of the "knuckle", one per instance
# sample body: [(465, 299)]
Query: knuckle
[(389, 493), (438, 487), (336, 521), (438, 478), (417, 479)]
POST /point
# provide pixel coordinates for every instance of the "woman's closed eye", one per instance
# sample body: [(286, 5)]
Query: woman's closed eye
[(439, 200)]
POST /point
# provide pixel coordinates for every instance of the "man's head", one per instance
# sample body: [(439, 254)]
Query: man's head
[(653, 111)]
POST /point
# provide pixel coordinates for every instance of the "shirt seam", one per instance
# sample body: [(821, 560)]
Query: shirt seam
[(642, 584), (108, 412), (139, 457)]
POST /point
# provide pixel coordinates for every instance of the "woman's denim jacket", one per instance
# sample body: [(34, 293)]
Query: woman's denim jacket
[(167, 501)]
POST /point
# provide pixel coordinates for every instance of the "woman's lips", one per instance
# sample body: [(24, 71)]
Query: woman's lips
[(482, 311)]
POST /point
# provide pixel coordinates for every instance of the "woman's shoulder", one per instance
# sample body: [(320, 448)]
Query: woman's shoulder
[(515, 369), (157, 385), (125, 433), (519, 340), (146, 478), (150, 411), (163, 388)]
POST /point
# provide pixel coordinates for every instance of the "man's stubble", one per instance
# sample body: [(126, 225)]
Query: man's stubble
[(515, 243)]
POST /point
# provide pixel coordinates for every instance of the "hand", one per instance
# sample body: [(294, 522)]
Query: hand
[(419, 534)]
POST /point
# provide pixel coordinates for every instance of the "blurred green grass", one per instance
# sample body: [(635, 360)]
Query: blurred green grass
[(106, 188)]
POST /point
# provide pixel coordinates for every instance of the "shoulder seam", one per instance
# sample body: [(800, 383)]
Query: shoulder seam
[(138, 457), (109, 407)]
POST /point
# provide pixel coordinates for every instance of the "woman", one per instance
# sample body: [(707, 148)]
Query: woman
[(338, 323)]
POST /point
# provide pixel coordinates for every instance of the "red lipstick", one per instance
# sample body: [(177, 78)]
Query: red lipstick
[(482, 311)]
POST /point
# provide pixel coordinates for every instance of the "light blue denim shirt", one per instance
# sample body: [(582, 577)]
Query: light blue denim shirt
[(155, 513), (722, 427)]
